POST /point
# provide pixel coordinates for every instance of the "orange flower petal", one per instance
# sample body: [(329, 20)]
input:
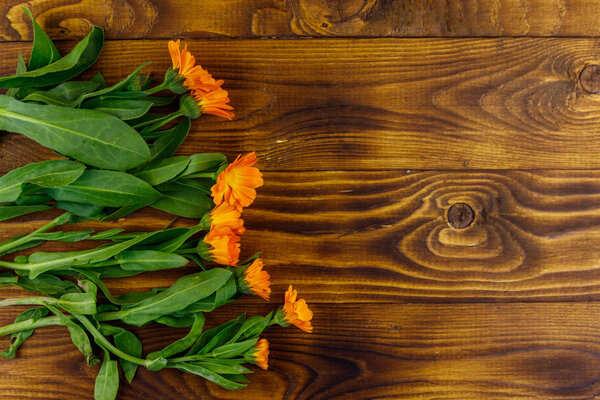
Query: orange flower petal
[(261, 354), (237, 183), (225, 246), (257, 279), (296, 312), (225, 216)]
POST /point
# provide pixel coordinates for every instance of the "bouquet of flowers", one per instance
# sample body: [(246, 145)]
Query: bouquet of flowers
[(117, 148)]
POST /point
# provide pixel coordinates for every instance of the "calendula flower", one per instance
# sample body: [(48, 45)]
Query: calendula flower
[(220, 246), (196, 77), (255, 280), (237, 184), (260, 354), (296, 312), (223, 217), (214, 102)]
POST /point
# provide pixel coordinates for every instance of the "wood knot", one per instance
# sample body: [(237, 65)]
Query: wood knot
[(590, 79), (460, 215)]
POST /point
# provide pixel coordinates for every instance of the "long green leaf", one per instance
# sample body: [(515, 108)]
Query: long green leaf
[(17, 339), (166, 145), (90, 136), (42, 262), (73, 90), (107, 381), (8, 212), (106, 189), (122, 109), (184, 200), (44, 51), (163, 170), (184, 343), (78, 60), (182, 293), (126, 342), (149, 260), (53, 173), (209, 375)]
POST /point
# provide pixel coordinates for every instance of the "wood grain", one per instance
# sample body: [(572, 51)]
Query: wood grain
[(156, 19), (384, 236), (385, 103), (368, 351)]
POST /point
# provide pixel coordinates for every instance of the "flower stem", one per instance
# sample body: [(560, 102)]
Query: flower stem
[(156, 89), (29, 324), (108, 345), (11, 244), (27, 301)]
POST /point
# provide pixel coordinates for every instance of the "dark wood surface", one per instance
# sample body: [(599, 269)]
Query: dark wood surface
[(367, 142), (132, 19)]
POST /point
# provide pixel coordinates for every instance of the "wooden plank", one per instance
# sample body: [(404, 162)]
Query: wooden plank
[(299, 18), (386, 103), (384, 236), (383, 351)]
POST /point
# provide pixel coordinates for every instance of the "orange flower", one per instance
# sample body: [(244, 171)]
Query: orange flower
[(257, 280), (196, 78), (214, 102), (225, 216), (237, 183), (224, 247), (261, 354), (296, 312)]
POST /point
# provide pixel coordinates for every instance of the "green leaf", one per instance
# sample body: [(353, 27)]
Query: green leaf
[(99, 79), (126, 342), (80, 209), (106, 189), (219, 367), (106, 235), (180, 236), (209, 375), (149, 260), (78, 336), (176, 322), (71, 91), (32, 200), (122, 109), (17, 339), (123, 211), (78, 303), (182, 293), (78, 60), (212, 337), (48, 98), (163, 170), (184, 343), (44, 51), (232, 350), (253, 327), (42, 262), (49, 285), (205, 162), (107, 381), (93, 137), (53, 173), (114, 87), (21, 67), (8, 212), (166, 145), (184, 201)]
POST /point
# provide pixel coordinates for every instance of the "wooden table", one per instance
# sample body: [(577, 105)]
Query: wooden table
[(432, 189)]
